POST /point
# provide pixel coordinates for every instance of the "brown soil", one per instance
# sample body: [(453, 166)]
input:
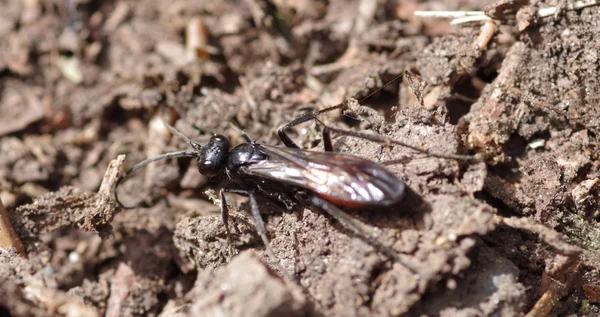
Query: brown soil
[(84, 81)]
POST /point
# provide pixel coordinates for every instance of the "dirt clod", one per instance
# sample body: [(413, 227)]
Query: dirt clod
[(246, 280), (513, 232)]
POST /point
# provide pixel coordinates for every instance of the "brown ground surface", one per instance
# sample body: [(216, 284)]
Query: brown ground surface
[(84, 81)]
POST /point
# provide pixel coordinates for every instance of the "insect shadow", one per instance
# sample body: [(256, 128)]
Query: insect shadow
[(292, 176)]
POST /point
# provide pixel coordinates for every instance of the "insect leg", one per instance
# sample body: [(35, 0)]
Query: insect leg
[(303, 118), (388, 142), (225, 215), (327, 144), (352, 224), (260, 226), (244, 134)]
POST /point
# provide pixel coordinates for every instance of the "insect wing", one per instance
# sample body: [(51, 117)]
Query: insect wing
[(340, 178)]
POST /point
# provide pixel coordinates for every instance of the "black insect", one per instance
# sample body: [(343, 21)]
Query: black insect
[(290, 175)]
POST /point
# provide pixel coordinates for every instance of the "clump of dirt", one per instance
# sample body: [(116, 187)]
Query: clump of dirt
[(513, 231)]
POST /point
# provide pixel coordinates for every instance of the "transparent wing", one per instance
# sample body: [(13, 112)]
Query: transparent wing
[(340, 178)]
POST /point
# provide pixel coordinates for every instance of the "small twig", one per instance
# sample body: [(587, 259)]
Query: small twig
[(460, 17), (447, 14), (333, 67), (105, 205), (467, 19), (121, 284), (416, 85), (543, 306), (8, 237), (548, 235)]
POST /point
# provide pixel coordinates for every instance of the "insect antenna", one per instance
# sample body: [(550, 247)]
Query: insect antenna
[(195, 145), (245, 135), (144, 163), (194, 154), (379, 89)]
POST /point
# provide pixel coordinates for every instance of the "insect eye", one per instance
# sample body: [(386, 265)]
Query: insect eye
[(207, 168), (213, 156)]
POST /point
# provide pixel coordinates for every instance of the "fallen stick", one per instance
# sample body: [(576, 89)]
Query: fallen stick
[(8, 236), (459, 17)]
